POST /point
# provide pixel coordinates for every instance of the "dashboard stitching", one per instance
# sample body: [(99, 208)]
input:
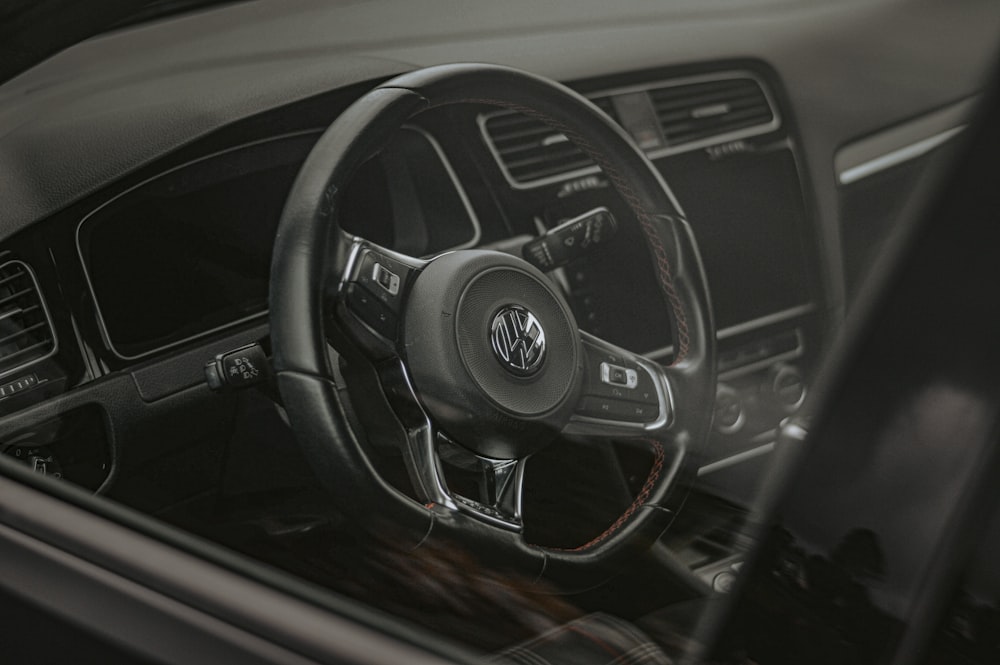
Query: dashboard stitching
[(644, 217)]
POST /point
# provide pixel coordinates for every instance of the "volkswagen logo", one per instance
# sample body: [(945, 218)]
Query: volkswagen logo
[(518, 340)]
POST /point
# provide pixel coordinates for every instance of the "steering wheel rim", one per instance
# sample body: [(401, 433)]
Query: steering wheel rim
[(308, 307)]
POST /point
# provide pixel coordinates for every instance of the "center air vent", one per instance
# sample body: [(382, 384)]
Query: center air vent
[(716, 110), (664, 118), (531, 152), (26, 333)]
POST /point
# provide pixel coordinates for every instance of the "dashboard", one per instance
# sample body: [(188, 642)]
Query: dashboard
[(182, 257), (142, 205)]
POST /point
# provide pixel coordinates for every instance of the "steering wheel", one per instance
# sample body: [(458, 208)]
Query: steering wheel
[(475, 356)]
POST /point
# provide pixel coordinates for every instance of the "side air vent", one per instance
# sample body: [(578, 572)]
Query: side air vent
[(26, 333), (713, 111)]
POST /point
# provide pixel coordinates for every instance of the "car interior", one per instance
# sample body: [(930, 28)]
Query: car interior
[(265, 269)]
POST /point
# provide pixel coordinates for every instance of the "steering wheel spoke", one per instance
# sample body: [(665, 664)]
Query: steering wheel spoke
[(486, 488), (372, 284), (623, 394), (492, 489)]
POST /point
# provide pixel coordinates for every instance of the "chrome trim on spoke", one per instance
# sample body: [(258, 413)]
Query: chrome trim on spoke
[(493, 510), (422, 448), (424, 462), (352, 258), (519, 489)]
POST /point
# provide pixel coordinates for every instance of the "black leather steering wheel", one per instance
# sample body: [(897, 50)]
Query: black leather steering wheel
[(475, 355)]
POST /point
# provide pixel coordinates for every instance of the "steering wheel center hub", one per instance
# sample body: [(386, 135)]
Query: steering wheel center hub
[(493, 351)]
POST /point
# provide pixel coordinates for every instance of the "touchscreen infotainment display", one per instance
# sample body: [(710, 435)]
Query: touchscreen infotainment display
[(750, 220), (751, 226)]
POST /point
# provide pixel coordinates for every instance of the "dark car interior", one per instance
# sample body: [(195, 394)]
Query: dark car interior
[(147, 172)]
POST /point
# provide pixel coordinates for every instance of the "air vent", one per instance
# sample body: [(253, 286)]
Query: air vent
[(607, 105), (690, 113), (26, 334), (712, 111), (531, 152)]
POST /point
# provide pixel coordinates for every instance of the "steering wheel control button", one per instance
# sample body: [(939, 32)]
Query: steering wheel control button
[(382, 277), (617, 410), (571, 239), (241, 368), (385, 278), (372, 310), (645, 390), (518, 340), (615, 375)]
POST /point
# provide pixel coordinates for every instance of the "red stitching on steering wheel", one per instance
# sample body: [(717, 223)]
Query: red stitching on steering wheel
[(640, 499), (628, 194)]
